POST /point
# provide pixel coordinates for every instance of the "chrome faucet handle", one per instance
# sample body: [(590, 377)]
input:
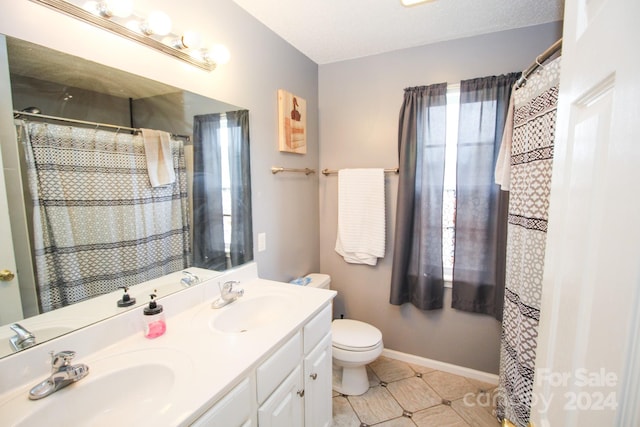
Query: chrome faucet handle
[(227, 294), (189, 279), (22, 339), (227, 288), (61, 359)]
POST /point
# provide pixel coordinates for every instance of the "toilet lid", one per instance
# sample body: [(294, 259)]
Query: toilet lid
[(354, 335)]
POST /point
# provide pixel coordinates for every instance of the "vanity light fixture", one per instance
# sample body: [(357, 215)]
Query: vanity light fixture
[(153, 31)]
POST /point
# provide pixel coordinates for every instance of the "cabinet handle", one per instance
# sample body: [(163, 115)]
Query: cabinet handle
[(301, 393), (314, 376)]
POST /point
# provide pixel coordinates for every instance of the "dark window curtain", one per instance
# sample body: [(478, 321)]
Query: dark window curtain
[(208, 228), (208, 239), (241, 225), (481, 207), (417, 275)]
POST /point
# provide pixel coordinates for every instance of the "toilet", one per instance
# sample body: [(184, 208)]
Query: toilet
[(354, 345)]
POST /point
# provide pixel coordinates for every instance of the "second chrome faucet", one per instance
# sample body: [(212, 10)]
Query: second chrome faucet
[(228, 294), (63, 373)]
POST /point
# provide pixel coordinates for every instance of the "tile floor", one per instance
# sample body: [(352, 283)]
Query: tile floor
[(406, 395)]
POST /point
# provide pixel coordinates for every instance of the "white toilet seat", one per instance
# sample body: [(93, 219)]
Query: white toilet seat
[(356, 349), (355, 358), (353, 335)]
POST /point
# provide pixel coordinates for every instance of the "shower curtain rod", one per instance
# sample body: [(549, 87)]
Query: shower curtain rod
[(540, 59), (17, 114)]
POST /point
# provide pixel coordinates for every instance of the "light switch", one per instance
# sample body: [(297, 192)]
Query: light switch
[(262, 242)]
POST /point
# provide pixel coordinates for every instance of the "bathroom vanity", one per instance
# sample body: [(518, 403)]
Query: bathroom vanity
[(264, 359)]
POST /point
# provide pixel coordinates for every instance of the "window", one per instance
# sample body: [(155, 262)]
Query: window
[(225, 170), (449, 195)]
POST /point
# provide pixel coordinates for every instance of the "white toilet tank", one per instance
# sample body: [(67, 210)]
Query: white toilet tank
[(319, 280)]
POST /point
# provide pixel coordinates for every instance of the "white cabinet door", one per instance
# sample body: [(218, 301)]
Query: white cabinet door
[(317, 385), (233, 410), (284, 408)]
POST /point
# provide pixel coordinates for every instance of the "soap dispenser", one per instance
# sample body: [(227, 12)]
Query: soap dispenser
[(154, 324), (126, 300)]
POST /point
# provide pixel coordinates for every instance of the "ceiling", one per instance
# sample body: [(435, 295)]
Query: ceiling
[(335, 30)]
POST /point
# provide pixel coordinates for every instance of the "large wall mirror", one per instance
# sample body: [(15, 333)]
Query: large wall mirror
[(104, 204)]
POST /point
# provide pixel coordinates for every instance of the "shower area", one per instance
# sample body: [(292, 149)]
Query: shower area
[(524, 168), (101, 211)]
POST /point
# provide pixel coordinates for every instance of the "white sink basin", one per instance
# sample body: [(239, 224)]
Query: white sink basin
[(129, 388), (246, 315)]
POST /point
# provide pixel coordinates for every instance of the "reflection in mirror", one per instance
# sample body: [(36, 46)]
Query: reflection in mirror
[(108, 206)]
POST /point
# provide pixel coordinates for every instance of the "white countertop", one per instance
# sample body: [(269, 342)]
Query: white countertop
[(205, 362)]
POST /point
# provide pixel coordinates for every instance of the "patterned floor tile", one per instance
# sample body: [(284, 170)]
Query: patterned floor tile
[(481, 386), (373, 378), (375, 406), (416, 392), (420, 369), (413, 394), (474, 413), (438, 416), (449, 386), (343, 414), (397, 422), (389, 370)]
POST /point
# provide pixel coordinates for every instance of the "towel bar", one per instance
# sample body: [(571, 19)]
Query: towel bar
[(333, 171), (306, 171)]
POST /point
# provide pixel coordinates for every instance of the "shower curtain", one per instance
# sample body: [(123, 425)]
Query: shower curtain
[(531, 157), (97, 223)]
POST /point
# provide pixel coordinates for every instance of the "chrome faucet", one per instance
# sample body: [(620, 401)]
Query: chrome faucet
[(62, 374), (22, 339), (189, 279), (227, 294)]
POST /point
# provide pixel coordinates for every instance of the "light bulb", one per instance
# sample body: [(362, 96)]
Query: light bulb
[(219, 54), (191, 39), (135, 25), (158, 23), (91, 7), (121, 8)]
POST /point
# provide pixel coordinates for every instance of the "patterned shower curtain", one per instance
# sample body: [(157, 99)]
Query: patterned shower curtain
[(532, 139), (97, 223)]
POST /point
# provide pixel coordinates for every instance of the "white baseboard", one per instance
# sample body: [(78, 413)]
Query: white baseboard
[(442, 366)]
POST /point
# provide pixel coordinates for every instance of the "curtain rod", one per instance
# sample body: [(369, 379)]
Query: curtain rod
[(540, 59), (330, 171), (17, 114), (306, 171)]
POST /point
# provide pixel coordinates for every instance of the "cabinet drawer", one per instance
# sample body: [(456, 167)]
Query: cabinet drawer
[(232, 410), (317, 328), (278, 366)]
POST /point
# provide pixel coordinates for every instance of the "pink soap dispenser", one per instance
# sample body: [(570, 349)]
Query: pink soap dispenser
[(154, 323)]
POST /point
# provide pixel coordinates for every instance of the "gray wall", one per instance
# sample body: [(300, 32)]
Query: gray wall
[(359, 105)]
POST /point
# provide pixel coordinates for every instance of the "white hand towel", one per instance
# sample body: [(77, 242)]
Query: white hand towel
[(361, 215), (157, 150)]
